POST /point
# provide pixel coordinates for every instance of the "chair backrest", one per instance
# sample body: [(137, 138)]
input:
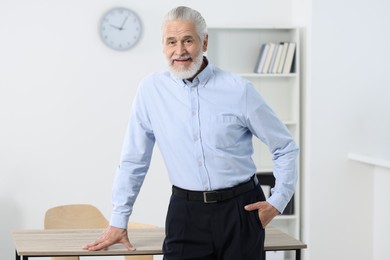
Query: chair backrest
[(75, 216)]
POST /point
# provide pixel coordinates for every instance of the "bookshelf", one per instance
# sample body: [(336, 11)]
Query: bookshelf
[(237, 50)]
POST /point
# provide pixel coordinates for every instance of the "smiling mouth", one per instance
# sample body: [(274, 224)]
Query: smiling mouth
[(182, 60)]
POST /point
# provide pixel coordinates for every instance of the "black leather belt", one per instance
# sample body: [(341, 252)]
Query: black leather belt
[(217, 195)]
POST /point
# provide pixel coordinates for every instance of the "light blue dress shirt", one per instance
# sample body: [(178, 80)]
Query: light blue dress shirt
[(204, 131)]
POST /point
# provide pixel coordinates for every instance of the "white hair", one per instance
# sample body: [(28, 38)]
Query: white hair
[(186, 13)]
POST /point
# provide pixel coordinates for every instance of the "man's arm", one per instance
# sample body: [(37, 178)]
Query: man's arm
[(265, 125), (134, 163)]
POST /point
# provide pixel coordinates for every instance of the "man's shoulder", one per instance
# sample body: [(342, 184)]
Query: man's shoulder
[(229, 76), (156, 76), (155, 80)]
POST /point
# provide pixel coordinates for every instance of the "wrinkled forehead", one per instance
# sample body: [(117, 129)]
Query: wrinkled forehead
[(179, 29)]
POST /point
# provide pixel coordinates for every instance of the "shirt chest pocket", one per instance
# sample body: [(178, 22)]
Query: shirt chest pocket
[(224, 131)]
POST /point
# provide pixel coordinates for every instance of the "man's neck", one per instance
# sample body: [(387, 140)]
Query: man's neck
[(204, 64)]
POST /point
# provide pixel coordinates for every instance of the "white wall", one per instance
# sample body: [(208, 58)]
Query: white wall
[(65, 100), (381, 223), (348, 102)]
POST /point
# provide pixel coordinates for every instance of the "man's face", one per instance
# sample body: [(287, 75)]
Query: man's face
[(183, 48)]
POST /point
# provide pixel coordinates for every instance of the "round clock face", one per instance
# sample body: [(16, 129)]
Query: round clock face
[(120, 28)]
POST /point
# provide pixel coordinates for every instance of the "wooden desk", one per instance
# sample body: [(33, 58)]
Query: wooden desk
[(276, 240), (148, 241)]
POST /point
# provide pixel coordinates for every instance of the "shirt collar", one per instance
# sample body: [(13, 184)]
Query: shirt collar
[(202, 77)]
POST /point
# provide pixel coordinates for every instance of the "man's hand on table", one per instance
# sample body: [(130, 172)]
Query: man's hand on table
[(112, 235)]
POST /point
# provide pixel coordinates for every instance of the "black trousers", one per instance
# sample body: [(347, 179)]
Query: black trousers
[(215, 231)]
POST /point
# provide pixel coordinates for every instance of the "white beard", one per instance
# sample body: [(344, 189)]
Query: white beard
[(182, 72)]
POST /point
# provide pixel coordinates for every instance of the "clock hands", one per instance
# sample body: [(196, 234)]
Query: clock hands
[(124, 21), (121, 27), (116, 27)]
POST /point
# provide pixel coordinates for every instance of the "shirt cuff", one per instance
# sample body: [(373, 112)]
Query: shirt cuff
[(278, 203), (119, 221)]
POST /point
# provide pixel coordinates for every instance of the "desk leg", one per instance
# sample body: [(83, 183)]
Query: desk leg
[(298, 254), (17, 257)]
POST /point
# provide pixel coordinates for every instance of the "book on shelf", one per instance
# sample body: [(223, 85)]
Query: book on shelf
[(277, 58), (289, 58), (269, 57), (273, 58), (262, 55), (282, 58)]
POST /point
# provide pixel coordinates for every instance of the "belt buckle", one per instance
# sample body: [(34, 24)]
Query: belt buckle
[(205, 200)]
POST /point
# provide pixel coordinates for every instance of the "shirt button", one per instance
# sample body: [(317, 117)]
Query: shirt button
[(200, 164), (193, 113)]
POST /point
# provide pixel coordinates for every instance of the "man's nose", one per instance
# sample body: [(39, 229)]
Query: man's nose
[(180, 49)]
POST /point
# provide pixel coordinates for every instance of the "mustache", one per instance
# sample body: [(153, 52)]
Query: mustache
[(180, 57)]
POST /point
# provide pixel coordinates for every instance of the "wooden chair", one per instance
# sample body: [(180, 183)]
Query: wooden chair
[(78, 216)]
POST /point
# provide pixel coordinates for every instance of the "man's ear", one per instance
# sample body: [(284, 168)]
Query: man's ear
[(205, 42)]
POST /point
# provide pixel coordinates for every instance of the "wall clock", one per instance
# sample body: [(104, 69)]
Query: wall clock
[(120, 28)]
